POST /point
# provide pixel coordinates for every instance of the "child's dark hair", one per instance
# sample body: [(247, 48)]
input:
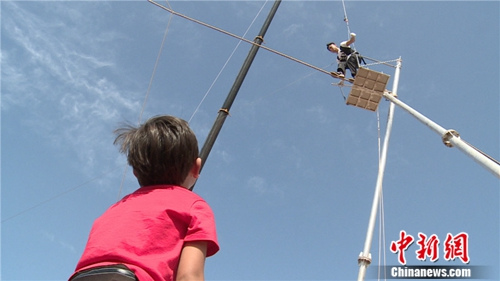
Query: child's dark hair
[(161, 151)]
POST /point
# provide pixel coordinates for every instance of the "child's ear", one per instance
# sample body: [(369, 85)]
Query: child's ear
[(196, 168)]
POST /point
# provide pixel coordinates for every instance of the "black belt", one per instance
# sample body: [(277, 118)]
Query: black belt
[(112, 272)]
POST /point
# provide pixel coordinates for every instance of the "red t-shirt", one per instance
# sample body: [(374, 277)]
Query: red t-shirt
[(146, 231)]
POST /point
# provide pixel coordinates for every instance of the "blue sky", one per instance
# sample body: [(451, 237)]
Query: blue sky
[(292, 175)]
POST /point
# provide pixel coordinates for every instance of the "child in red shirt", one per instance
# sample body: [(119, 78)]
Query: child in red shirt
[(162, 231)]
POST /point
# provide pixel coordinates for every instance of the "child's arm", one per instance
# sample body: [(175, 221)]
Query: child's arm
[(192, 261)]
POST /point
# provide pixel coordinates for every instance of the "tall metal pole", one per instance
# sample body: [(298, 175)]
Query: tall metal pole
[(451, 138), (364, 258), (224, 111)]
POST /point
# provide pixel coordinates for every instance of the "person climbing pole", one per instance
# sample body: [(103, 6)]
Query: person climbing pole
[(346, 56)]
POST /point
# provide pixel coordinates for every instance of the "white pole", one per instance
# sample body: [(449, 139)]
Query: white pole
[(450, 138), (364, 259)]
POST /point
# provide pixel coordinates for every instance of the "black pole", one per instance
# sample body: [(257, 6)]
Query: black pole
[(224, 111)]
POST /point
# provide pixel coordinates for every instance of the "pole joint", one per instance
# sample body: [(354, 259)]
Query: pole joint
[(364, 260), (259, 37), (390, 93), (448, 135), (225, 110)]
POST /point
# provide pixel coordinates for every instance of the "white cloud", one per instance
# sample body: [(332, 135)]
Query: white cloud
[(257, 184), (293, 30), (261, 186), (54, 73), (53, 239), (320, 114)]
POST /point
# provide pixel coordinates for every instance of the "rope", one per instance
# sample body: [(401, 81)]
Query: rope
[(378, 133), (284, 87), (381, 242), (341, 85), (154, 69), (346, 20), (152, 78), (146, 98), (225, 64), (483, 153), (381, 62), (108, 172), (125, 170), (239, 37), (381, 250), (58, 195), (257, 101), (262, 46)]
